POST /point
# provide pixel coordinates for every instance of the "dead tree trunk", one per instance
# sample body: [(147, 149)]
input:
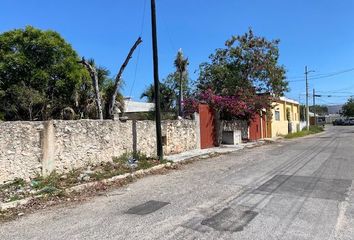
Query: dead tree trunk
[(112, 99), (94, 77)]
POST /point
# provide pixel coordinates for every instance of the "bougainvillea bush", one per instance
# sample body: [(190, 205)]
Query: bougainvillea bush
[(242, 105)]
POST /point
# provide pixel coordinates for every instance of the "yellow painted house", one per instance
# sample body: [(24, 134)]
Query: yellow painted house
[(284, 111)]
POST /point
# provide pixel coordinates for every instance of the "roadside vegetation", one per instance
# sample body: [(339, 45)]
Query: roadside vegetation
[(305, 132), (20, 196), (56, 184)]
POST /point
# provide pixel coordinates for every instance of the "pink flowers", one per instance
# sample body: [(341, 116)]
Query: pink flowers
[(190, 106), (242, 104)]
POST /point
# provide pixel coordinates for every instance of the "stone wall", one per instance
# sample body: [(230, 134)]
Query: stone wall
[(20, 149), (30, 148)]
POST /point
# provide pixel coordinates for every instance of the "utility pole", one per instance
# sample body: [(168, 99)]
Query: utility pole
[(314, 105), (156, 82), (307, 101)]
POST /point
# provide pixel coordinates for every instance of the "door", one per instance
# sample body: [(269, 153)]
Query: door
[(207, 126), (269, 129), (255, 128)]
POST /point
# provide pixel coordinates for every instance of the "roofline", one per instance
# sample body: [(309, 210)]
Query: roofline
[(285, 99)]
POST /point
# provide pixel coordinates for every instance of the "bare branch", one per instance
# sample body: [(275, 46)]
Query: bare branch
[(94, 77), (119, 75)]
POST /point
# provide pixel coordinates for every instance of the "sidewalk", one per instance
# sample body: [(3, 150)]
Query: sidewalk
[(223, 149)]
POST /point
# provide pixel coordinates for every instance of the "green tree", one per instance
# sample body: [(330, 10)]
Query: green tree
[(247, 66), (39, 74), (167, 96), (247, 62), (181, 64), (348, 108)]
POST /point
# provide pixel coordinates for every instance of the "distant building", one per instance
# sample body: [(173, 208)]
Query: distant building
[(137, 110), (131, 106), (335, 109)]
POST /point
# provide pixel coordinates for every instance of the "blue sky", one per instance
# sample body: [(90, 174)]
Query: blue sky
[(317, 33)]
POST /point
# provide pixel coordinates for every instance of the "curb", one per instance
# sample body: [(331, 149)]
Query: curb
[(17, 203)]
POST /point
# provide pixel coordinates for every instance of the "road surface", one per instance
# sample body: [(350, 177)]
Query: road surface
[(299, 189)]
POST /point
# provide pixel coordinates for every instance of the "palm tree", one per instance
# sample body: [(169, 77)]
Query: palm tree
[(167, 96), (181, 64)]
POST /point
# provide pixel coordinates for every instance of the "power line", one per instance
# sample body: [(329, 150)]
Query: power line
[(342, 89), (328, 96), (139, 50), (320, 76), (334, 74)]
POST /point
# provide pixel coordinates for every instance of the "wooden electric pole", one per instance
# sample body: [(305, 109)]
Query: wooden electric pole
[(156, 82), (307, 101), (314, 105)]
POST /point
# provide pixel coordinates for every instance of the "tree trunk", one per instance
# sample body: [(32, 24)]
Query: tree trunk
[(94, 77), (30, 113), (112, 98), (180, 108)]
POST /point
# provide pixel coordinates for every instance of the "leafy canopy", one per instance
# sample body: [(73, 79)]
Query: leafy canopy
[(171, 85), (348, 108), (241, 79), (39, 74), (247, 62), (167, 96)]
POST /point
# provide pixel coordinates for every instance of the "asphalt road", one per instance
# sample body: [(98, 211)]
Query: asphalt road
[(300, 189)]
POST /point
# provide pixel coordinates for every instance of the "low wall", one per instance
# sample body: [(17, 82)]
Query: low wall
[(30, 148), (237, 125)]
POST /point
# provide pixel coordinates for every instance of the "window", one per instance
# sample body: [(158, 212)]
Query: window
[(277, 115)]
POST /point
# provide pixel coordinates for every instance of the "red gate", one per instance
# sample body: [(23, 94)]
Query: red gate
[(257, 125), (207, 126)]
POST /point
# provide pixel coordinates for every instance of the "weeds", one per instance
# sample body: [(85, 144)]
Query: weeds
[(52, 181), (54, 185), (125, 157), (15, 198), (305, 132), (16, 183)]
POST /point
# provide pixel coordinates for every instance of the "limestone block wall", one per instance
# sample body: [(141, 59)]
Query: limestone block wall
[(78, 143), (30, 148), (20, 149), (180, 136)]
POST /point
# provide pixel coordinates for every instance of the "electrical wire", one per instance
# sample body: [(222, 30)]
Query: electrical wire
[(320, 76), (138, 55)]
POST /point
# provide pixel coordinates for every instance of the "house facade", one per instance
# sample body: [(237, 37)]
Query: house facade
[(281, 119), (284, 117)]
